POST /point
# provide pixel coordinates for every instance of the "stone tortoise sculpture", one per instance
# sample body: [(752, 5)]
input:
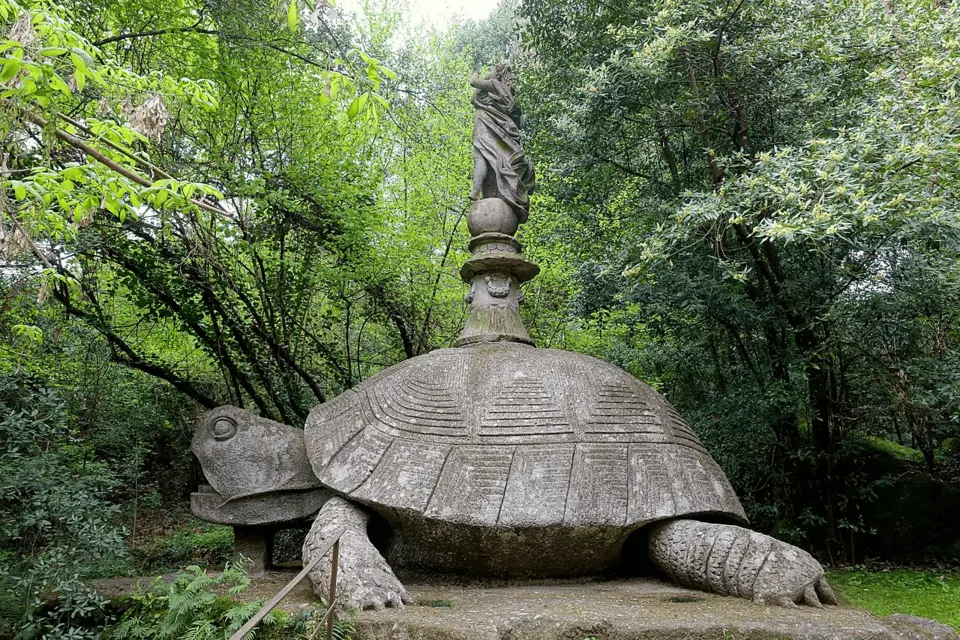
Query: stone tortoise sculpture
[(496, 458), (501, 459)]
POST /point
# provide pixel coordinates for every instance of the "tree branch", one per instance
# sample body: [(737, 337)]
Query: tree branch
[(209, 32), (97, 155), (122, 353)]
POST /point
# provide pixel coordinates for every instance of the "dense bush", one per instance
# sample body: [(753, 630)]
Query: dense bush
[(56, 525)]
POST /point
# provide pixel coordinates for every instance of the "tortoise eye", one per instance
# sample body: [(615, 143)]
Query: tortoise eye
[(224, 429)]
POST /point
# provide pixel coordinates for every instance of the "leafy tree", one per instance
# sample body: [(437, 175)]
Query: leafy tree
[(199, 272), (771, 178)]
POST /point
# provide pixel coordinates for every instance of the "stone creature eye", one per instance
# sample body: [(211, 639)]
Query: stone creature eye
[(224, 429)]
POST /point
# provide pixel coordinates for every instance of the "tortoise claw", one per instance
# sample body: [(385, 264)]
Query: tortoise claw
[(825, 591), (810, 597)]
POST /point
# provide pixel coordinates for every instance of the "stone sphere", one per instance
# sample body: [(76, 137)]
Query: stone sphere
[(491, 215)]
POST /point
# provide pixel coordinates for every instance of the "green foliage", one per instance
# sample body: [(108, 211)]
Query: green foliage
[(492, 40), (343, 629), (894, 449), (950, 448), (189, 607), (56, 528), (54, 202), (753, 204), (927, 594), (127, 243), (198, 606), (210, 545)]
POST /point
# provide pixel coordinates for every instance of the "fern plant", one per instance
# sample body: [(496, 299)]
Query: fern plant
[(342, 630), (200, 606), (190, 607)]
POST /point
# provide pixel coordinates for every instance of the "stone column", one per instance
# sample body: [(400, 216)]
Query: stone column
[(494, 274), (255, 544)]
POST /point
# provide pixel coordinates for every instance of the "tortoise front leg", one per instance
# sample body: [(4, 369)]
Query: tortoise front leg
[(364, 579), (730, 560)]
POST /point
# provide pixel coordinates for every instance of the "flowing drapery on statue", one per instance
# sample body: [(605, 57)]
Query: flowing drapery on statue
[(501, 168)]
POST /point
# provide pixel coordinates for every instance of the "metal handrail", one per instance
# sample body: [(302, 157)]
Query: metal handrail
[(333, 543), (322, 622)]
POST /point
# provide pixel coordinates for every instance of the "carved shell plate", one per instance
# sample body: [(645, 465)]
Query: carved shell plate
[(508, 435)]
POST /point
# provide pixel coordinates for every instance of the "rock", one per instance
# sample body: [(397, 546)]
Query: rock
[(510, 461), (906, 627), (255, 545), (282, 508), (260, 480), (497, 459), (502, 170), (244, 455), (638, 609)]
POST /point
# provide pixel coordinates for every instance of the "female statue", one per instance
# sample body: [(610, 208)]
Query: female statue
[(501, 169)]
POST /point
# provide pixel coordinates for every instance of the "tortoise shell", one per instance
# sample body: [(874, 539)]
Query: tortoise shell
[(510, 436)]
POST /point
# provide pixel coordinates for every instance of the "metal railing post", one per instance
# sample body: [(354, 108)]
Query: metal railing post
[(332, 593), (333, 543)]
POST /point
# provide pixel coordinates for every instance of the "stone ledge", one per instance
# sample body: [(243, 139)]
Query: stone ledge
[(636, 609), (640, 609), (272, 508)]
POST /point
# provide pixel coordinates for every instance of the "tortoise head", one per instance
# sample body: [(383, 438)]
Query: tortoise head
[(245, 455)]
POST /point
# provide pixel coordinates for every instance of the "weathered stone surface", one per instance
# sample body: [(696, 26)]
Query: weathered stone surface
[(255, 545), (504, 263), (365, 580), (502, 182), (272, 508), (730, 560), (495, 312), (913, 628), (501, 170), (503, 456), (491, 215), (260, 479), (244, 455), (619, 610)]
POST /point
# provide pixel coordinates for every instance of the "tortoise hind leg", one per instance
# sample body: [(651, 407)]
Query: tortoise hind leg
[(364, 579), (730, 560)]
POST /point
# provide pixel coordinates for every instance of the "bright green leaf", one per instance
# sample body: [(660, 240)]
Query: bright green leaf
[(293, 15), (388, 73), (10, 69), (354, 108)]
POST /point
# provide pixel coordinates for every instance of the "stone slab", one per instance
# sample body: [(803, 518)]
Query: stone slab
[(636, 609), (640, 609), (274, 508)]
